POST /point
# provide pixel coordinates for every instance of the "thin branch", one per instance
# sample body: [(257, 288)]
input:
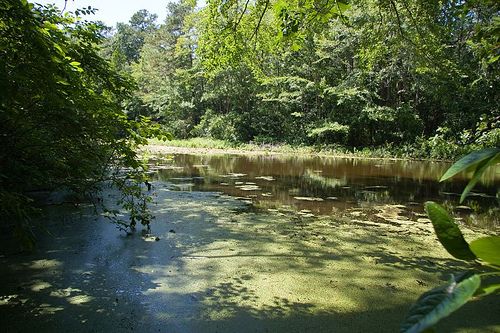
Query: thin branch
[(327, 9), (241, 16), (381, 19), (342, 17), (412, 17), (260, 20), (65, 4), (408, 39), (399, 19), (317, 12)]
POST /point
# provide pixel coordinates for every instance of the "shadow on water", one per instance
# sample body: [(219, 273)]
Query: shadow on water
[(214, 270)]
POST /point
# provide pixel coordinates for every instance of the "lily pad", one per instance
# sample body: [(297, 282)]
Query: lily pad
[(308, 198), (268, 178), (376, 187), (249, 188), (184, 187), (234, 175)]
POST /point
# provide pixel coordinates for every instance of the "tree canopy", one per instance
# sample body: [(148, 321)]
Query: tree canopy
[(421, 75)]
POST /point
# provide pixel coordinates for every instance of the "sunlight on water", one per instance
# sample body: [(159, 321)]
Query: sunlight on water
[(323, 186)]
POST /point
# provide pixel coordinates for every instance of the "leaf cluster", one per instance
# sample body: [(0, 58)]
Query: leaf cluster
[(440, 302)]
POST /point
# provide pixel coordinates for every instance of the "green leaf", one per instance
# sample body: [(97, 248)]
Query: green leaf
[(490, 289), (63, 82), (481, 168), (487, 249), (440, 302), (343, 6), (50, 26), (59, 49), (448, 232), (296, 47), (493, 59), (469, 161)]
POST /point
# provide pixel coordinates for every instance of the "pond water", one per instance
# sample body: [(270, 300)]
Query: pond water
[(254, 257), (324, 186)]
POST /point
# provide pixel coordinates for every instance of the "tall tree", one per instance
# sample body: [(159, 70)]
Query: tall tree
[(420, 74), (166, 72), (127, 42), (61, 124)]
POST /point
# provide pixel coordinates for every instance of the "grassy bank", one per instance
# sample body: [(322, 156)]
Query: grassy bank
[(388, 151)]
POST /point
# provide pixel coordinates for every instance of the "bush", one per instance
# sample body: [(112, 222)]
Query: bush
[(61, 122), (440, 146), (329, 132), (215, 126), (378, 125)]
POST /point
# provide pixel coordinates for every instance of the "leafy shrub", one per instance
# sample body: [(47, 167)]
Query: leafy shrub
[(61, 122), (440, 146), (329, 132), (180, 128), (215, 126), (378, 125)]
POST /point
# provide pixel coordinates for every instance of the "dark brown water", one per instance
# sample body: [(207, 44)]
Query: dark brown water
[(322, 185)]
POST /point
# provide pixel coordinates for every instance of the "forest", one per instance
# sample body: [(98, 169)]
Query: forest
[(82, 103), (419, 78)]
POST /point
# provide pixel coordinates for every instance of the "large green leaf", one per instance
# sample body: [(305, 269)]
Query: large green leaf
[(470, 161), (448, 232), (487, 249), (480, 169), (488, 289), (440, 302)]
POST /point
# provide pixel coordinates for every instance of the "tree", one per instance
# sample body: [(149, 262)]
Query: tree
[(420, 75), (167, 71), (127, 42), (61, 124), (389, 71)]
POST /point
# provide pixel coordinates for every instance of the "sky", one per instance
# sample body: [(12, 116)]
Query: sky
[(113, 11)]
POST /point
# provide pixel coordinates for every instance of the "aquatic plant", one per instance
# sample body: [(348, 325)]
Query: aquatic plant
[(440, 302)]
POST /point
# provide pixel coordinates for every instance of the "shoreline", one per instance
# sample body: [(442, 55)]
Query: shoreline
[(158, 148)]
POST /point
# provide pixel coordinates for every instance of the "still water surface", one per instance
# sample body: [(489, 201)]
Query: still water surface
[(322, 185), (212, 265)]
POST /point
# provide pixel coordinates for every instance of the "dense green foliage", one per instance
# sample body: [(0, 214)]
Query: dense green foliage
[(420, 76), (61, 123)]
